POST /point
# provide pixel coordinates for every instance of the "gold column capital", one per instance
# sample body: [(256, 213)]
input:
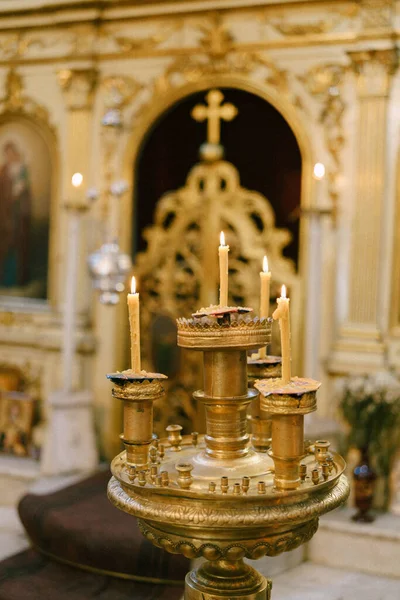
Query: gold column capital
[(78, 86), (374, 69)]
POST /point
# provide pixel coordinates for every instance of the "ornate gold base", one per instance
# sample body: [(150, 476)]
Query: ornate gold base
[(226, 579)]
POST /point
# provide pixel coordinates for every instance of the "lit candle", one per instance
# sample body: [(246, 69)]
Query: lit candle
[(223, 271), (282, 313), (265, 280), (72, 262), (134, 325)]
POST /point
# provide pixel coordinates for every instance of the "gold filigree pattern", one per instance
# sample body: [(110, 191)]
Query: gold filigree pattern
[(15, 46), (216, 517), (78, 86), (216, 38), (268, 545), (138, 391), (120, 90), (129, 44), (377, 13), (15, 101), (306, 27)]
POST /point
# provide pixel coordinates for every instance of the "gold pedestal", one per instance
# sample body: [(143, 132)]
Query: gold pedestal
[(216, 496), (227, 579)]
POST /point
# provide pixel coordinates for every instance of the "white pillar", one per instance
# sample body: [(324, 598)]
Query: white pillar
[(360, 346)]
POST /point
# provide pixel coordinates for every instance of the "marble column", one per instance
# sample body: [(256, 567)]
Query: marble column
[(78, 86), (69, 441), (360, 346)]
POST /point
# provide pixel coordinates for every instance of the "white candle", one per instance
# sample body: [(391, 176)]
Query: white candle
[(134, 325), (314, 279), (283, 314), (223, 271), (71, 282), (265, 281)]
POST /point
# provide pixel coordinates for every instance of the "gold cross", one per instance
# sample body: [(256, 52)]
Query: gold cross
[(214, 112)]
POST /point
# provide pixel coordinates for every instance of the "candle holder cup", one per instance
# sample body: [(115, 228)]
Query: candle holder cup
[(137, 391), (287, 404), (260, 421)]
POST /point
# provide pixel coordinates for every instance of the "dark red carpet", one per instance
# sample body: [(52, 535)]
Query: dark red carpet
[(31, 576), (77, 531)]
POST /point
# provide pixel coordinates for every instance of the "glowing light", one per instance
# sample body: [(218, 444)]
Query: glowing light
[(283, 291), (265, 264), (222, 239), (77, 179), (133, 285), (319, 170)]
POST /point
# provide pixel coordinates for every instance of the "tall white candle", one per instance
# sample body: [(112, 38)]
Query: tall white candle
[(265, 281), (70, 300), (283, 314), (223, 271), (134, 325), (71, 281), (313, 300)]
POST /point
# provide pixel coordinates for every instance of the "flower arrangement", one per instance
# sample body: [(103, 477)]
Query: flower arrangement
[(371, 407)]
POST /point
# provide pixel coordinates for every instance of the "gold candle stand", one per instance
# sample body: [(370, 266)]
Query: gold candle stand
[(215, 496), (137, 391), (287, 405), (260, 421)]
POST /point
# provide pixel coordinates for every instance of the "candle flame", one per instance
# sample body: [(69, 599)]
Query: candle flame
[(319, 171), (265, 264), (222, 239), (133, 285), (283, 291), (77, 179)]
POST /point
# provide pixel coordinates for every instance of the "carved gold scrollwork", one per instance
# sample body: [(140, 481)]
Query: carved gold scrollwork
[(120, 90), (131, 44), (17, 102), (374, 69), (17, 45), (377, 13), (325, 83), (191, 69), (216, 40), (78, 86), (270, 545), (306, 27)]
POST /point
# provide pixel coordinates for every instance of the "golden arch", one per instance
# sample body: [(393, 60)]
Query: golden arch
[(162, 102)]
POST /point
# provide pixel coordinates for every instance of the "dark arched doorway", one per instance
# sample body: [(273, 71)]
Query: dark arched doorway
[(261, 146), (259, 142)]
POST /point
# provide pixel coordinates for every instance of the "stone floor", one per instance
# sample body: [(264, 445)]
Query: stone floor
[(315, 582)]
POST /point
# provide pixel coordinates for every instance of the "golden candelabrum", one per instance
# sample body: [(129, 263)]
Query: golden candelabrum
[(225, 495), (229, 494)]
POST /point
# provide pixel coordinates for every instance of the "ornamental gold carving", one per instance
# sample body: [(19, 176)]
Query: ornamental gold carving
[(15, 46), (269, 545), (325, 82), (129, 44), (216, 40), (211, 515), (120, 90), (290, 28), (374, 69), (78, 86), (191, 69), (17, 102), (377, 13)]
